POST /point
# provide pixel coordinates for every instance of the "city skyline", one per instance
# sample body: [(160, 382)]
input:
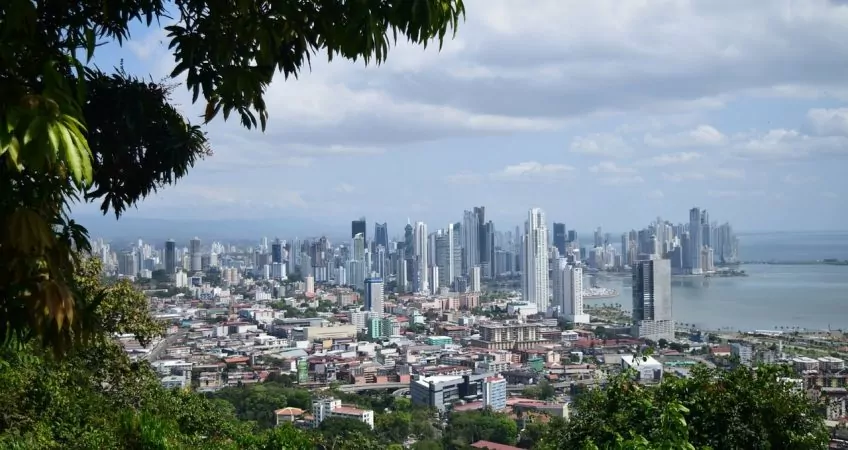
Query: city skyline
[(598, 115)]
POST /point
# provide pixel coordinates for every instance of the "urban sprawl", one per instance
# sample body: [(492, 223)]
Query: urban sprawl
[(461, 318)]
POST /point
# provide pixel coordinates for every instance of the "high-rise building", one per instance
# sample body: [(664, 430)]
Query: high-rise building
[(443, 258), (487, 259), (560, 237), (170, 257), (572, 236), (535, 256), (652, 311), (421, 258), (568, 291), (374, 296), (625, 248), (476, 279), (195, 264), (277, 251), (358, 227), (696, 240), (599, 237), (381, 235), (470, 241), (357, 264)]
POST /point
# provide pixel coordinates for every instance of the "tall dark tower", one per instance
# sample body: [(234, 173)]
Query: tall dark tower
[(357, 227), (560, 237)]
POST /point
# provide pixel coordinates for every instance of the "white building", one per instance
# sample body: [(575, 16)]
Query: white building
[(568, 291), (652, 311), (535, 257), (476, 282), (420, 249), (310, 285), (648, 369), (494, 393), (331, 407), (374, 297)]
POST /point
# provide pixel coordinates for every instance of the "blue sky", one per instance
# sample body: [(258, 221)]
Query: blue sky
[(602, 113)]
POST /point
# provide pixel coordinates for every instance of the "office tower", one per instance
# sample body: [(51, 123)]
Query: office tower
[(381, 235), (480, 213), (277, 251), (560, 237), (433, 276), (470, 241), (625, 247), (128, 264), (487, 258), (357, 263), (443, 258), (476, 279), (652, 312), (374, 296), (599, 239), (420, 257), (572, 236), (535, 256), (402, 276), (381, 262), (706, 229), (455, 237), (194, 251), (407, 239), (358, 227), (170, 257), (568, 291), (696, 241)]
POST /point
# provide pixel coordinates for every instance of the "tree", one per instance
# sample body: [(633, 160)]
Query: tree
[(342, 428), (69, 131), (663, 343), (465, 428), (738, 409)]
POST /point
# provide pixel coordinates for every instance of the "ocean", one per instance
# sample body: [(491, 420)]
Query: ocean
[(772, 296)]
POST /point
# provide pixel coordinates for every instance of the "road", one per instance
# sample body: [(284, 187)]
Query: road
[(370, 387), (160, 347)]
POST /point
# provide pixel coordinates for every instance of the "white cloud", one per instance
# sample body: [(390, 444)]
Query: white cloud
[(619, 180), (602, 144), (345, 188), (683, 176), (668, 159), (723, 194), (610, 167), (532, 171), (828, 122), (655, 194), (701, 136), (797, 180), (730, 174)]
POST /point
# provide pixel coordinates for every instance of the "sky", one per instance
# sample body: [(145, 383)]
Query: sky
[(602, 113)]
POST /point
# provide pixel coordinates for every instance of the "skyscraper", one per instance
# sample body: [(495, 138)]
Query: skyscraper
[(277, 251), (356, 266), (652, 312), (358, 227), (560, 237), (470, 241), (194, 253), (443, 257), (535, 253), (568, 291), (374, 296), (170, 257), (381, 235), (421, 259), (696, 241)]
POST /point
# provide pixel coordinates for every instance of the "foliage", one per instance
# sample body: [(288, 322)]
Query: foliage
[(342, 428), (257, 402), (738, 409), (544, 390), (71, 132), (465, 428)]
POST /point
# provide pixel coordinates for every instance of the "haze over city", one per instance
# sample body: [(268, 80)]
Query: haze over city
[(601, 113)]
